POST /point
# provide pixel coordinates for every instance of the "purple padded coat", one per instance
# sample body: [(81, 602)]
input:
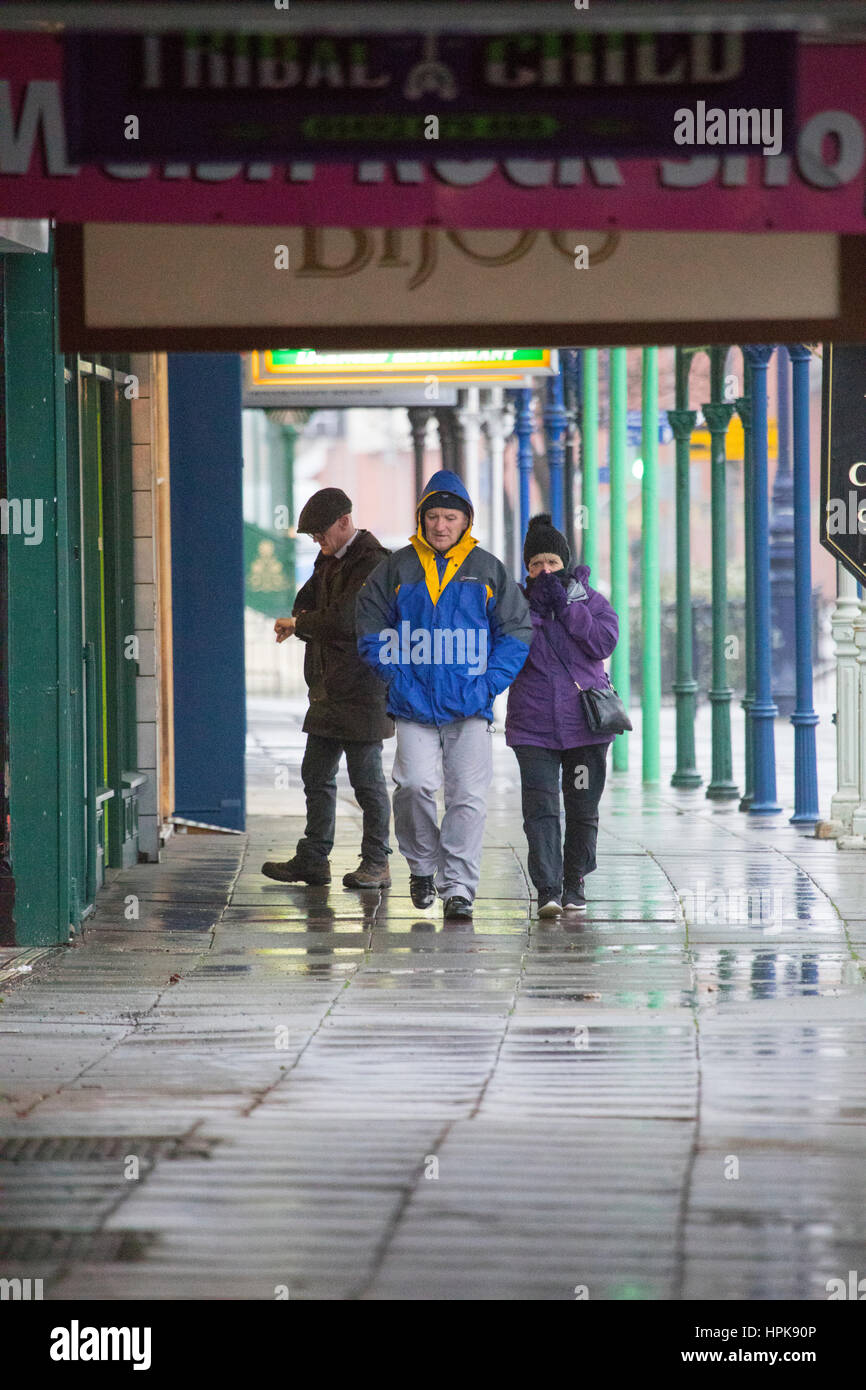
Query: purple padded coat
[(544, 705)]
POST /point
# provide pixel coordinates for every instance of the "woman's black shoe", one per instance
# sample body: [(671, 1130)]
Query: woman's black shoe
[(459, 907), (574, 899), (421, 890)]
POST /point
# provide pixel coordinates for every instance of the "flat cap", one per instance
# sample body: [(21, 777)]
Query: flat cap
[(324, 508)]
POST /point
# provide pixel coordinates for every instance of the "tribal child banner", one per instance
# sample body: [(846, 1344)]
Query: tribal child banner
[(817, 187), (380, 95)]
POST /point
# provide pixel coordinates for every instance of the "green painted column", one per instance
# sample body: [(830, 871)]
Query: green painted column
[(744, 410), (40, 661), (717, 414), (289, 438), (650, 597), (619, 666), (589, 454), (682, 422)]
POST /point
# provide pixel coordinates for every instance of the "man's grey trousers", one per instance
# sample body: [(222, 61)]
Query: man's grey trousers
[(459, 758)]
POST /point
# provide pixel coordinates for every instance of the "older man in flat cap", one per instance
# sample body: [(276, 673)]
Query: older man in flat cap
[(347, 702)]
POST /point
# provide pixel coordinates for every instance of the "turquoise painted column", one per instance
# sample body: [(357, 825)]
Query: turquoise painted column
[(744, 410), (763, 711), (804, 717), (682, 422), (650, 597), (589, 455), (717, 414), (619, 665)]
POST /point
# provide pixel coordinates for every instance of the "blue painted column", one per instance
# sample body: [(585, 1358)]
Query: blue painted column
[(804, 717), (744, 410), (762, 711), (555, 422), (571, 387), (523, 422), (782, 579), (207, 575)]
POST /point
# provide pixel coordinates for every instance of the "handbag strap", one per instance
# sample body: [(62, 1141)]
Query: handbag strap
[(563, 664)]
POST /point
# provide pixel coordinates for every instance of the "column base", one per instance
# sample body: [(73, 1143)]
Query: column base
[(722, 791), (803, 818), (687, 778), (764, 808), (745, 801), (843, 806)]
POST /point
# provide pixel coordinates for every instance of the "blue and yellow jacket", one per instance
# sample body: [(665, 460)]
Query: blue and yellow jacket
[(446, 633)]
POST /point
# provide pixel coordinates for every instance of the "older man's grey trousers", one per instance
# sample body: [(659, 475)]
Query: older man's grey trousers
[(459, 758)]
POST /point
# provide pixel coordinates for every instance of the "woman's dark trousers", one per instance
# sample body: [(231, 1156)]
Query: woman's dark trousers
[(319, 776), (581, 772)]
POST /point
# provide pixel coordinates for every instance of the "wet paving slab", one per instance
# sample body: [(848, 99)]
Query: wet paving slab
[(662, 1098)]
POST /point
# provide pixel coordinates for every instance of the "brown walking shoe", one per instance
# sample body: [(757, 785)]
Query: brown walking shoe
[(368, 875), (296, 871)]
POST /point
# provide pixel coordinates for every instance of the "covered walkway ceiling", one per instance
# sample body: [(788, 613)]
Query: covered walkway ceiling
[(838, 19)]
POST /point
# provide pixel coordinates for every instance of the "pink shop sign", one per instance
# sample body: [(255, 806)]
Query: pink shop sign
[(819, 187)]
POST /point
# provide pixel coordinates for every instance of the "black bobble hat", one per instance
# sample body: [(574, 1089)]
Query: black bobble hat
[(542, 538), (449, 500), (324, 508)]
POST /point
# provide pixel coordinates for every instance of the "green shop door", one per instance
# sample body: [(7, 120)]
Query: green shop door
[(109, 648)]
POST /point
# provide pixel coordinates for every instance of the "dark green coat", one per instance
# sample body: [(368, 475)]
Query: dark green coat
[(347, 701)]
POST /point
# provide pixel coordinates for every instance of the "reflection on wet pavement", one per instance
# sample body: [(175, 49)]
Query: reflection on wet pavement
[(398, 1107)]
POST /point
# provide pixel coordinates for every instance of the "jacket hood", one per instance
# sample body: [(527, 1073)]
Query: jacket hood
[(445, 481)]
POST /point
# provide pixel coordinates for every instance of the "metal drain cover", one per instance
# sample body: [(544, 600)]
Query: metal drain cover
[(102, 1247), (80, 1148)]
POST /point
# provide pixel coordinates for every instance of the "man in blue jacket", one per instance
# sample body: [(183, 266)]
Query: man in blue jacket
[(444, 626)]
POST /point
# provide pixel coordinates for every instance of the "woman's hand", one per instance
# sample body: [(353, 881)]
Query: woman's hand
[(546, 595), (558, 597), (539, 596)]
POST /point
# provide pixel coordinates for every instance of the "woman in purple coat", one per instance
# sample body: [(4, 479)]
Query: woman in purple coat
[(574, 631)]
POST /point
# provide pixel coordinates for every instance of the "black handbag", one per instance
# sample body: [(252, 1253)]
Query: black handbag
[(603, 710)]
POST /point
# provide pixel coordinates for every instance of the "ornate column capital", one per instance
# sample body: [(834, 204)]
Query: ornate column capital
[(798, 352), (682, 422), (718, 415), (743, 406), (759, 354)]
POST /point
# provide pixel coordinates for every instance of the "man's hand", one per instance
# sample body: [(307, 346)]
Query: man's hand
[(284, 627)]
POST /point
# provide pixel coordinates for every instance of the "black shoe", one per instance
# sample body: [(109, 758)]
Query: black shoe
[(459, 908), (298, 871), (574, 899), (549, 902), (368, 875), (421, 890)]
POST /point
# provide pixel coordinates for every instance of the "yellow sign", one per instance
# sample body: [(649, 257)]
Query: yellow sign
[(734, 441), (287, 369)]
